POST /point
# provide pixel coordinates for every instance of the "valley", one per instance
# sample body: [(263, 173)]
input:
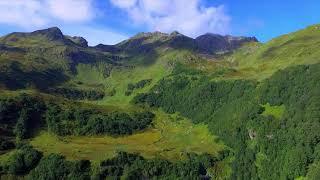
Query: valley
[(213, 107)]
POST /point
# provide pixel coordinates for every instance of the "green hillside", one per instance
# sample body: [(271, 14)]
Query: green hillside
[(160, 106), (262, 60)]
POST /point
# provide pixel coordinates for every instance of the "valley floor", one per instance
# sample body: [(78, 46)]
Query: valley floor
[(171, 138)]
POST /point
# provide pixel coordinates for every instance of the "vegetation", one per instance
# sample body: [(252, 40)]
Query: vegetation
[(123, 165), (256, 137), (55, 166), (20, 116), (90, 122), (276, 111), (168, 139), (153, 107), (6, 144), (23, 115), (76, 94), (138, 85), (23, 160), (132, 166)]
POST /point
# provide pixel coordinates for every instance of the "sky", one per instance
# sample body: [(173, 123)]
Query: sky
[(111, 21)]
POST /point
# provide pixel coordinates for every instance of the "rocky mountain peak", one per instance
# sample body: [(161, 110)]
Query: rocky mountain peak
[(175, 33), (53, 33), (149, 34)]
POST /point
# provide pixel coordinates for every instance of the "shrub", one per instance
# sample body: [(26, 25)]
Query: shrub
[(23, 160), (55, 166)]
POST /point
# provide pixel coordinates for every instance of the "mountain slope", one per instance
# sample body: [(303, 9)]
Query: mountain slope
[(43, 56), (261, 61), (206, 44), (213, 43)]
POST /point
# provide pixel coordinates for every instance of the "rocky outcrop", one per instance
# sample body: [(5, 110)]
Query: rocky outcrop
[(80, 41)]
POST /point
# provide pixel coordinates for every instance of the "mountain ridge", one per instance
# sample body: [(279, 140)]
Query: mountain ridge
[(208, 43)]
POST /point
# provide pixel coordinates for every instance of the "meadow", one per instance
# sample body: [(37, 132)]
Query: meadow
[(171, 138)]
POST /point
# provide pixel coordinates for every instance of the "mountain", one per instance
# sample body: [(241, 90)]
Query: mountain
[(48, 54), (79, 41), (44, 58), (160, 106), (213, 43), (208, 43)]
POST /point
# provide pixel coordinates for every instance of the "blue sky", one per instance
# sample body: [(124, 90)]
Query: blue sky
[(110, 21)]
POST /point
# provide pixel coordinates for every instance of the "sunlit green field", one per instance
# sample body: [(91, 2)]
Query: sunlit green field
[(276, 111), (170, 138)]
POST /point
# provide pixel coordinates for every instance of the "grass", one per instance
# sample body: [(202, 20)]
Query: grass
[(90, 74), (5, 157), (260, 61), (120, 77), (171, 138), (276, 111)]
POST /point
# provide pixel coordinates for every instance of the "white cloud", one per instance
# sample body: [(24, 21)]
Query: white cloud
[(22, 13), (188, 17), (71, 10), (72, 16), (39, 13)]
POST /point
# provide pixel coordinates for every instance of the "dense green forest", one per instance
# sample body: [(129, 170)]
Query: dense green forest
[(160, 106), (77, 94), (21, 116), (265, 147), (30, 162)]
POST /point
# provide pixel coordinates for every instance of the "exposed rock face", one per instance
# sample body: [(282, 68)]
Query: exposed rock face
[(213, 43), (79, 41)]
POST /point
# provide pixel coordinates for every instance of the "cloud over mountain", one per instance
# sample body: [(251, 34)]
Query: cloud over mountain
[(191, 18)]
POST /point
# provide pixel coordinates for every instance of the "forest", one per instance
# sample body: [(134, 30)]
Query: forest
[(265, 147), (30, 162), (77, 94), (23, 116)]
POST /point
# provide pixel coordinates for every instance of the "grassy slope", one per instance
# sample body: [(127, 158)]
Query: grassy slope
[(120, 77), (301, 47), (45, 57), (260, 61), (276, 111)]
